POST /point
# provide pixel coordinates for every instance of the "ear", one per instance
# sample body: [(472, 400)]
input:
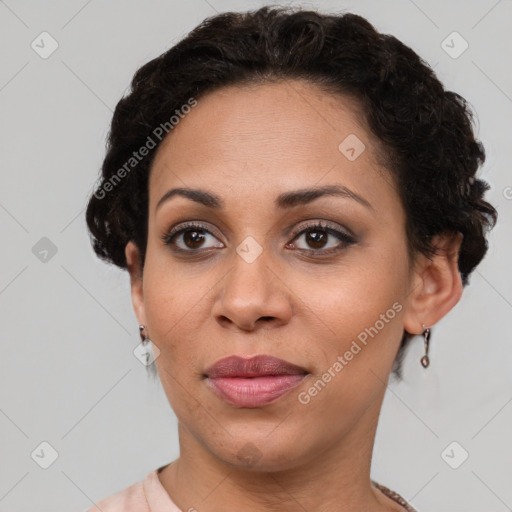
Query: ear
[(133, 259), (436, 285)]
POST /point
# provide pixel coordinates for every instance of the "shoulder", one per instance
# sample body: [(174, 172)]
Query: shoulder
[(130, 499)]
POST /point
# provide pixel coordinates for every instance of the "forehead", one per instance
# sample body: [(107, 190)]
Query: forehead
[(269, 137)]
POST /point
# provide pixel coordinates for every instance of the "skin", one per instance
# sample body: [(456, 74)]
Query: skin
[(247, 145)]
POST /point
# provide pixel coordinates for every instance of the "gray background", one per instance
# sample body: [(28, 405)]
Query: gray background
[(68, 374)]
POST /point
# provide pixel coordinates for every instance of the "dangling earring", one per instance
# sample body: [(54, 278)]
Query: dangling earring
[(146, 351), (149, 353), (425, 361), (145, 340)]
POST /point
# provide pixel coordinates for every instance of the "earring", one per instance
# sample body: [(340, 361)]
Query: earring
[(425, 361), (145, 340), (148, 352)]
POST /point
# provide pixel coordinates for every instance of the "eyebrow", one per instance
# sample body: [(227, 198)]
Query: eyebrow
[(285, 200)]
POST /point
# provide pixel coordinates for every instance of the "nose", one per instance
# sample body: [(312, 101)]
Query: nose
[(252, 295)]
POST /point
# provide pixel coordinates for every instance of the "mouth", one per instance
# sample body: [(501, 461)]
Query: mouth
[(253, 382)]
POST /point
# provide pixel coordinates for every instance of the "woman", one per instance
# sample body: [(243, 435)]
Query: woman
[(294, 196)]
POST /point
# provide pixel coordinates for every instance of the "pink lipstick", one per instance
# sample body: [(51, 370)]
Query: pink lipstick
[(253, 382)]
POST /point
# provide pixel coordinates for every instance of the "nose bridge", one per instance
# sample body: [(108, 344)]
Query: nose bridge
[(250, 269), (251, 289)]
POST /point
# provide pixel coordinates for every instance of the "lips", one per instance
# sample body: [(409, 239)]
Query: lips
[(253, 382), (258, 366)]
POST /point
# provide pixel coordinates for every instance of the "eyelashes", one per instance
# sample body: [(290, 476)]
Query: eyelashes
[(310, 234), (189, 237), (199, 230)]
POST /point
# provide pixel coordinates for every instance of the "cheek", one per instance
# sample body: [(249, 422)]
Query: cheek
[(356, 359), (360, 314), (169, 307), (178, 308), (172, 311), (356, 297), (168, 296)]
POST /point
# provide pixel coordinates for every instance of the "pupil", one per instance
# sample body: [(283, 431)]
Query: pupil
[(318, 240), (193, 238)]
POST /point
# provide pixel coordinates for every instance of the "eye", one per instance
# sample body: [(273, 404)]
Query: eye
[(193, 237), (317, 239), (189, 237)]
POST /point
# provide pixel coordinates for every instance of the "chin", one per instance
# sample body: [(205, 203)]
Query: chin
[(257, 453)]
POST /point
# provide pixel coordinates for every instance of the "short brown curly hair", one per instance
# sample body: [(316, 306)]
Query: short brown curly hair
[(426, 131)]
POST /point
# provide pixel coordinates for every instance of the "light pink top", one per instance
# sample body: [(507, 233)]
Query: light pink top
[(146, 496), (150, 496)]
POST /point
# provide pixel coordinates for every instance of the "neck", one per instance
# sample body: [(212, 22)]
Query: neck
[(337, 479)]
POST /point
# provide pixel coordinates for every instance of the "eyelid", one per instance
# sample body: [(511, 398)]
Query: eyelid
[(190, 224), (323, 224)]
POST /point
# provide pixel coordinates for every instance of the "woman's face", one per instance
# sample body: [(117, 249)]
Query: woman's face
[(332, 300)]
